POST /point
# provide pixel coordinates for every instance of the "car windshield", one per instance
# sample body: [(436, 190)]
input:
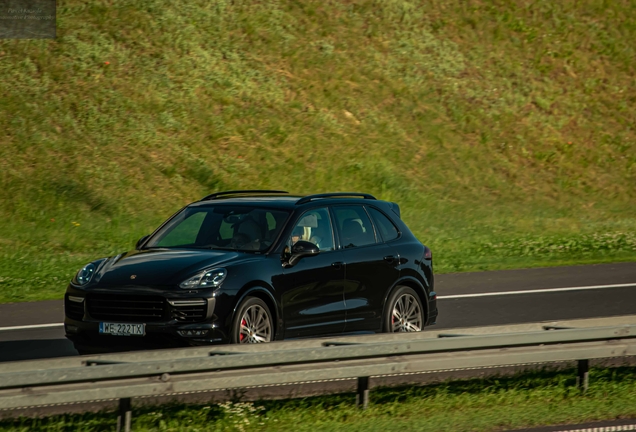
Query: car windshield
[(241, 228)]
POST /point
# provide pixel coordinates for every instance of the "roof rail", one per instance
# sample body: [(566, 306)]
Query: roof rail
[(239, 192), (308, 198)]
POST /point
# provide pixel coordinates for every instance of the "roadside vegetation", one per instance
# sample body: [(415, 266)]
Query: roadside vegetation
[(530, 399), (505, 130)]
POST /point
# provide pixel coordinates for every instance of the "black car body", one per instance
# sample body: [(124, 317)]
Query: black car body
[(320, 265)]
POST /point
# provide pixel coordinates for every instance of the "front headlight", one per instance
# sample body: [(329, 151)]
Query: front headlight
[(206, 279), (85, 275)]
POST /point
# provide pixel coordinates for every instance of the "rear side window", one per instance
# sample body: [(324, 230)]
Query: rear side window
[(387, 229), (354, 226)]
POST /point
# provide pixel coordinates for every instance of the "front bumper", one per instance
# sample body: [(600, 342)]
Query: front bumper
[(85, 335), (176, 319)]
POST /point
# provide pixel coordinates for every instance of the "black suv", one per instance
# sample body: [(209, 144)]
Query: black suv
[(257, 266)]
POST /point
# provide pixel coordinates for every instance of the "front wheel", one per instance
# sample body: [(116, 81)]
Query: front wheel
[(253, 322), (404, 312)]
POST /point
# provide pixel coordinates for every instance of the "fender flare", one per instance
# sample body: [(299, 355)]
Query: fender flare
[(413, 283), (259, 287)]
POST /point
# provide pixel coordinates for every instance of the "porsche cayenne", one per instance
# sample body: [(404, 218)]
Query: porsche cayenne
[(257, 266)]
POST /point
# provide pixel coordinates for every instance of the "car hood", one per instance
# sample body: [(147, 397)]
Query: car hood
[(160, 267)]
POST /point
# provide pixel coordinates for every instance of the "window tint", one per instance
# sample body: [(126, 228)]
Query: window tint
[(221, 227), (314, 226), (186, 232), (226, 230), (354, 226), (388, 231)]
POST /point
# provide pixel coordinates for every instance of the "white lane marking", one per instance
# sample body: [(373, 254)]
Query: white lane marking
[(536, 291), (630, 427), (34, 326)]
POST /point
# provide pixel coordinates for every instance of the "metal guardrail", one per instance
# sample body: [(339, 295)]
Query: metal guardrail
[(126, 376)]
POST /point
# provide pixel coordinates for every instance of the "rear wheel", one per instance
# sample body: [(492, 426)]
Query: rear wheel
[(404, 312), (253, 322)]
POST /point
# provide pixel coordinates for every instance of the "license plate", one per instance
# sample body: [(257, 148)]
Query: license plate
[(119, 329)]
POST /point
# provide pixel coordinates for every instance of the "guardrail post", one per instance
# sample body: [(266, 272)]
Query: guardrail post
[(582, 380), (124, 419), (362, 398)]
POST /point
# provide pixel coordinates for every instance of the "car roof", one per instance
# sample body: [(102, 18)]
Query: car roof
[(284, 200)]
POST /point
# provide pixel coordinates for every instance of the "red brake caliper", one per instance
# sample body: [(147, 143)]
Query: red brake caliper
[(243, 324)]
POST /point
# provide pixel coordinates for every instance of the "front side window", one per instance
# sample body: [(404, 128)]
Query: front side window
[(242, 228), (314, 226), (354, 226)]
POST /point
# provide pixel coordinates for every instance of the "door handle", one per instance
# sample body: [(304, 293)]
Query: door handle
[(337, 265), (389, 258)]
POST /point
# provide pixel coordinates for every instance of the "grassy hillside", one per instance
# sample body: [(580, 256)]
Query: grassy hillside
[(505, 129)]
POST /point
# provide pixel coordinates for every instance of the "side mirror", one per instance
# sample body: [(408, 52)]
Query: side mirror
[(302, 249), (141, 241)]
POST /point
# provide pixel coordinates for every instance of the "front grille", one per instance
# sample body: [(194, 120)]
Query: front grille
[(74, 310), (188, 311), (126, 308)]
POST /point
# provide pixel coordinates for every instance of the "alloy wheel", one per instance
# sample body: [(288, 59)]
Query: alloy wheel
[(406, 315), (256, 325)]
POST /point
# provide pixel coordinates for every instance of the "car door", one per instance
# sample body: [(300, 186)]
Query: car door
[(370, 268), (312, 290)]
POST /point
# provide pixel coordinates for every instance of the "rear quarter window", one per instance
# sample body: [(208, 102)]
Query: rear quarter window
[(387, 229)]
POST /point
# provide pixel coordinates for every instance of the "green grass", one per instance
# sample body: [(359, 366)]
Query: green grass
[(530, 399), (505, 130)]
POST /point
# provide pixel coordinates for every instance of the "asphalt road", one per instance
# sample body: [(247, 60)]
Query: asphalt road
[(465, 300)]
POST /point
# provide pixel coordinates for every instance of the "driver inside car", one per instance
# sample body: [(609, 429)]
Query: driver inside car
[(297, 234), (246, 236)]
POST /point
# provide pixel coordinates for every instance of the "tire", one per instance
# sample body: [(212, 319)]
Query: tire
[(252, 323), (403, 299)]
